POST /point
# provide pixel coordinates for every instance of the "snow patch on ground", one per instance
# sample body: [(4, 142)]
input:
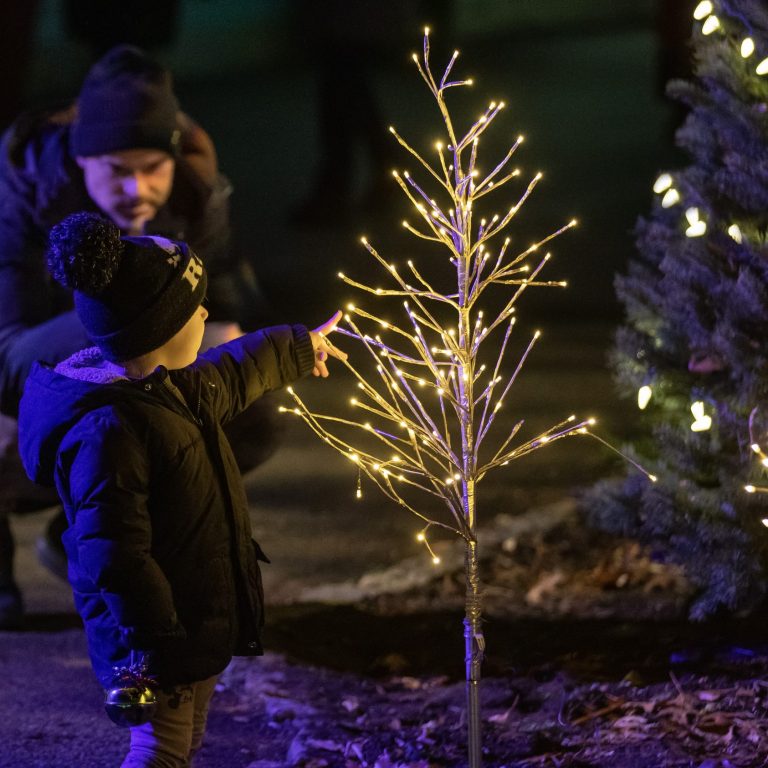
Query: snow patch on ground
[(418, 571)]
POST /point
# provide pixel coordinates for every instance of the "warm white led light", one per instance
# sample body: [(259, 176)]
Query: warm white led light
[(702, 421), (701, 425), (711, 23), (643, 396), (702, 10), (662, 184), (671, 197), (747, 47)]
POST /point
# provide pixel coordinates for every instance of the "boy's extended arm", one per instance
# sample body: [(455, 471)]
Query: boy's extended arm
[(241, 371), (260, 362)]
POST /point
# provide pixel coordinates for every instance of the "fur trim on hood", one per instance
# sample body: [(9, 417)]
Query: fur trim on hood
[(54, 400), (88, 365)]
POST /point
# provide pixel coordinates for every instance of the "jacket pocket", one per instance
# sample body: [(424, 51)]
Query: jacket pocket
[(205, 592)]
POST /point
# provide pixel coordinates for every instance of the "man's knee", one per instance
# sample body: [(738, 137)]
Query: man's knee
[(8, 435), (19, 492)]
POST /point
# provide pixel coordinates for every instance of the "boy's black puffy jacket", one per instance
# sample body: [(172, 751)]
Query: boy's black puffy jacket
[(159, 544)]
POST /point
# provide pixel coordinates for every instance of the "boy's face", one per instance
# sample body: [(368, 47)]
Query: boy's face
[(130, 185), (182, 349)]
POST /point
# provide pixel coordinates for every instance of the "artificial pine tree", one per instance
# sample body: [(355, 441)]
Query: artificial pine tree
[(694, 347)]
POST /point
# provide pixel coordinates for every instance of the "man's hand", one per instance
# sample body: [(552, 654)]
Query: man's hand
[(323, 348)]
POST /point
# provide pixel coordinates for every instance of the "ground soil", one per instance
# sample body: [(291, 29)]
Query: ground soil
[(590, 662)]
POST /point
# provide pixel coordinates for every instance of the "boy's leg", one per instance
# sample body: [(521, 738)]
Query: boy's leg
[(166, 740), (202, 699)]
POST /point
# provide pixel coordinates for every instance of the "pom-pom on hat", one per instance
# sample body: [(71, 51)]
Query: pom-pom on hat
[(132, 294), (126, 102)]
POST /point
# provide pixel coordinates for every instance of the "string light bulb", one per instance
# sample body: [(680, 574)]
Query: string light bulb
[(762, 67), (671, 197), (747, 47), (702, 422), (662, 184), (711, 23), (697, 226), (702, 10), (644, 396)]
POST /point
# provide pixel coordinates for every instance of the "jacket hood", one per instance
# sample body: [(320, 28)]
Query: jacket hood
[(54, 400)]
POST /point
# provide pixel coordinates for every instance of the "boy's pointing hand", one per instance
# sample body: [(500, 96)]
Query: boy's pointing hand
[(323, 348)]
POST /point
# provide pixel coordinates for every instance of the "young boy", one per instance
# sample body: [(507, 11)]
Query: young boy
[(161, 559)]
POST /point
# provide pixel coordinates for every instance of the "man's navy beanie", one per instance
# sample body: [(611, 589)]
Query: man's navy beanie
[(126, 102)]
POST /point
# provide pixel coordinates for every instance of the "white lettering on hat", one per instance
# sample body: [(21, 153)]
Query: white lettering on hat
[(194, 271)]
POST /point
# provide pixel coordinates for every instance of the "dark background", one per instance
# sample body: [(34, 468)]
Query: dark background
[(582, 80)]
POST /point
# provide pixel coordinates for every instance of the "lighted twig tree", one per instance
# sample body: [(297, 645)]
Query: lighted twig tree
[(433, 403)]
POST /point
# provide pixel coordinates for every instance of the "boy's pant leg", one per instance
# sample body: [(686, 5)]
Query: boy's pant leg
[(202, 700), (176, 730)]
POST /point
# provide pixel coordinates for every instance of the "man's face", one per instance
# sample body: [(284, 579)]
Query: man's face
[(130, 185)]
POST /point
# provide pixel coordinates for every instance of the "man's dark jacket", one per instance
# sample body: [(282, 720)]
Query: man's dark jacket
[(159, 540), (41, 184)]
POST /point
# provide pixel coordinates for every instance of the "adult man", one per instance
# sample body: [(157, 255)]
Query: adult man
[(126, 150)]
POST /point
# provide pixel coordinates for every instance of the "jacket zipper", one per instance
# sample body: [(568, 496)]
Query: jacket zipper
[(247, 629)]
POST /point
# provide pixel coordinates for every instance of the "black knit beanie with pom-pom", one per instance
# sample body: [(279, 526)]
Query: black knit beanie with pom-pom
[(132, 294)]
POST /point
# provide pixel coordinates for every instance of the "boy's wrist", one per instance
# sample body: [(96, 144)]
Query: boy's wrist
[(305, 352)]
